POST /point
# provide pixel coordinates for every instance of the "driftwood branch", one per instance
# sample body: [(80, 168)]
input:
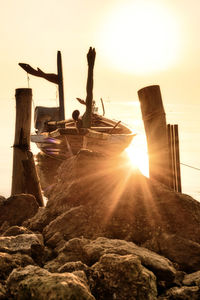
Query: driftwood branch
[(81, 101), (39, 73)]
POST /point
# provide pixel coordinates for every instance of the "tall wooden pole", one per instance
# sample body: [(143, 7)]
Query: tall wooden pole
[(24, 176), (60, 87), (179, 188), (87, 117), (22, 138), (153, 115)]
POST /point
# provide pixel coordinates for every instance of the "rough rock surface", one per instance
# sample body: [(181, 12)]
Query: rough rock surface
[(182, 293), (192, 279), (21, 243), (8, 262), (17, 208), (33, 282), (2, 292), (114, 271), (107, 232), (129, 207), (16, 230)]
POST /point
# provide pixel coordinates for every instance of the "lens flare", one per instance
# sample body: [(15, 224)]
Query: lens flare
[(137, 153)]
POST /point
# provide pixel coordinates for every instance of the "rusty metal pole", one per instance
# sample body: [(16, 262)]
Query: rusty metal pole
[(153, 115)]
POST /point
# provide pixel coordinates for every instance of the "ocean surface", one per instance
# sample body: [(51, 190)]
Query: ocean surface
[(186, 116)]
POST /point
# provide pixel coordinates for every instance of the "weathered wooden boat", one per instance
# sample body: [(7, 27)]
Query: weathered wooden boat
[(61, 138)]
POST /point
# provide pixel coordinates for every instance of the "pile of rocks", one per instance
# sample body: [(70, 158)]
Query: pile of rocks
[(107, 232)]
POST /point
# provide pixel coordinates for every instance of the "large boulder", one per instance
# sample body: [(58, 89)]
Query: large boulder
[(21, 243), (97, 197), (8, 262), (17, 208), (3, 292), (181, 293), (192, 279), (115, 276), (41, 219), (30, 244), (90, 252), (16, 230), (34, 282), (184, 252)]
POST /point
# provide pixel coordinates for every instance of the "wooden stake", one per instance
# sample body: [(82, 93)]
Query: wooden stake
[(60, 86), (22, 138), (31, 178), (171, 171), (156, 132), (24, 177), (179, 189)]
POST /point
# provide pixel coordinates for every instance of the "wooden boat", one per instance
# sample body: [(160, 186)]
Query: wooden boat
[(61, 138)]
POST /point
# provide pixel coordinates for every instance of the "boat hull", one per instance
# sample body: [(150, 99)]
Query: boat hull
[(104, 137)]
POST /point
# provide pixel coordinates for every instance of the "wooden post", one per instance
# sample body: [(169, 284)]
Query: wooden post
[(60, 86), (178, 171), (174, 158), (153, 115), (22, 138), (31, 178), (171, 162), (24, 179), (87, 117)]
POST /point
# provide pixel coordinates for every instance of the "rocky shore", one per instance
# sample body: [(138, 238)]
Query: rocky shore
[(107, 232)]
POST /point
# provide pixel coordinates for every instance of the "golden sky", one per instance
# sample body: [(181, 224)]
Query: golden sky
[(138, 43)]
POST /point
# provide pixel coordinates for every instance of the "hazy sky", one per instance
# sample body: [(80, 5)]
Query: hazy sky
[(138, 43)]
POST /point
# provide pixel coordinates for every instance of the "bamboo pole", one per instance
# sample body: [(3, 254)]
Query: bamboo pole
[(22, 138), (60, 87), (153, 115)]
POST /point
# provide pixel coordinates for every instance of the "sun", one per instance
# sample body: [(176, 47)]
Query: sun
[(140, 36), (137, 153)]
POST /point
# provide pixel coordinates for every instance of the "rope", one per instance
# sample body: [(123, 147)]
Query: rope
[(28, 80), (198, 169)]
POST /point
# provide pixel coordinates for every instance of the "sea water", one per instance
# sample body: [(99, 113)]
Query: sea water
[(186, 116)]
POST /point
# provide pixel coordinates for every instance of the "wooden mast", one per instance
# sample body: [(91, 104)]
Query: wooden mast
[(89, 88), (60, 87), (55, 78)]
